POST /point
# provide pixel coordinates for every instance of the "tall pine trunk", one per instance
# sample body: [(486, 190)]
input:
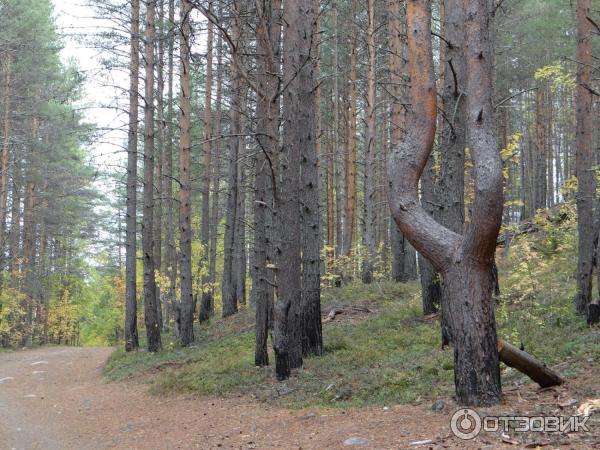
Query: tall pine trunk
[(150, 301), (131, 331), (170, 259), (186, 311), (267, 117), (229, 282), (370, 182), (350, 156), (298, 132), (159, 157), (206, 305), (216, 158), (312, 334), (404, 264), (4, 158), (586, 186)]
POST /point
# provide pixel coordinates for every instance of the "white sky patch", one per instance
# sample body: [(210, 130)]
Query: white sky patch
[(102, 100), (105, 97)]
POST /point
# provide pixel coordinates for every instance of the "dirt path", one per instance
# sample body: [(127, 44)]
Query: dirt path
[(56, 398)]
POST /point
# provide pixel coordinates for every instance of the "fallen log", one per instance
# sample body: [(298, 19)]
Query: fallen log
[(527, 364)]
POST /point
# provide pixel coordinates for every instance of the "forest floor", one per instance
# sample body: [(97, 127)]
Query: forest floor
[(57, 399)]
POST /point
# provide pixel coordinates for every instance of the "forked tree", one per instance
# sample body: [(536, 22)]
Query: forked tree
[(464, 260)]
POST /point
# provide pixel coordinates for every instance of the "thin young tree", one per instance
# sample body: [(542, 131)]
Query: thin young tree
[(206, 305), (404, 264), (131, 332), (6, 70), (229, 282), (170, 259), (370, 185), (216, 158), (350, 155)]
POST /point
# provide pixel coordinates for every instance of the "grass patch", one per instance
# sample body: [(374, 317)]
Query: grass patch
[(387, 358)]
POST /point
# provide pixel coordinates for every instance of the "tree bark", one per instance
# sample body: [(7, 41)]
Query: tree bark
[(15, 221), (396, 19), (230, 270), (451, 192), (370, 185), (240, 254), (29, 227), (4, 158), (540, 184), (338, 153), (131, 330), (206, 305), (586, 186), (159, 157), (465, 262), (350, 160), (215, 210), (267, 116), (312, 334), (170, 259), (186, 331), (431, 287), (298, 132), (150, 303)]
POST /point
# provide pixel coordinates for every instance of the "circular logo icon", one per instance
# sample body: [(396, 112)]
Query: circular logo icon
[(465, 424)]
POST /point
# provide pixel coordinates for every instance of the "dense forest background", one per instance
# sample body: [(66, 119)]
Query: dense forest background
[(195, 214)]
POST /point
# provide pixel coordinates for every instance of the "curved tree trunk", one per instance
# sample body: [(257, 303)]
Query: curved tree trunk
[(465, 262)]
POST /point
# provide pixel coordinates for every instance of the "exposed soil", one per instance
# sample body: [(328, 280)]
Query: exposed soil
[(57, 399)]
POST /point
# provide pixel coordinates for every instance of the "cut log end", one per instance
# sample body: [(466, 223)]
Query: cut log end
[(528, 365)]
